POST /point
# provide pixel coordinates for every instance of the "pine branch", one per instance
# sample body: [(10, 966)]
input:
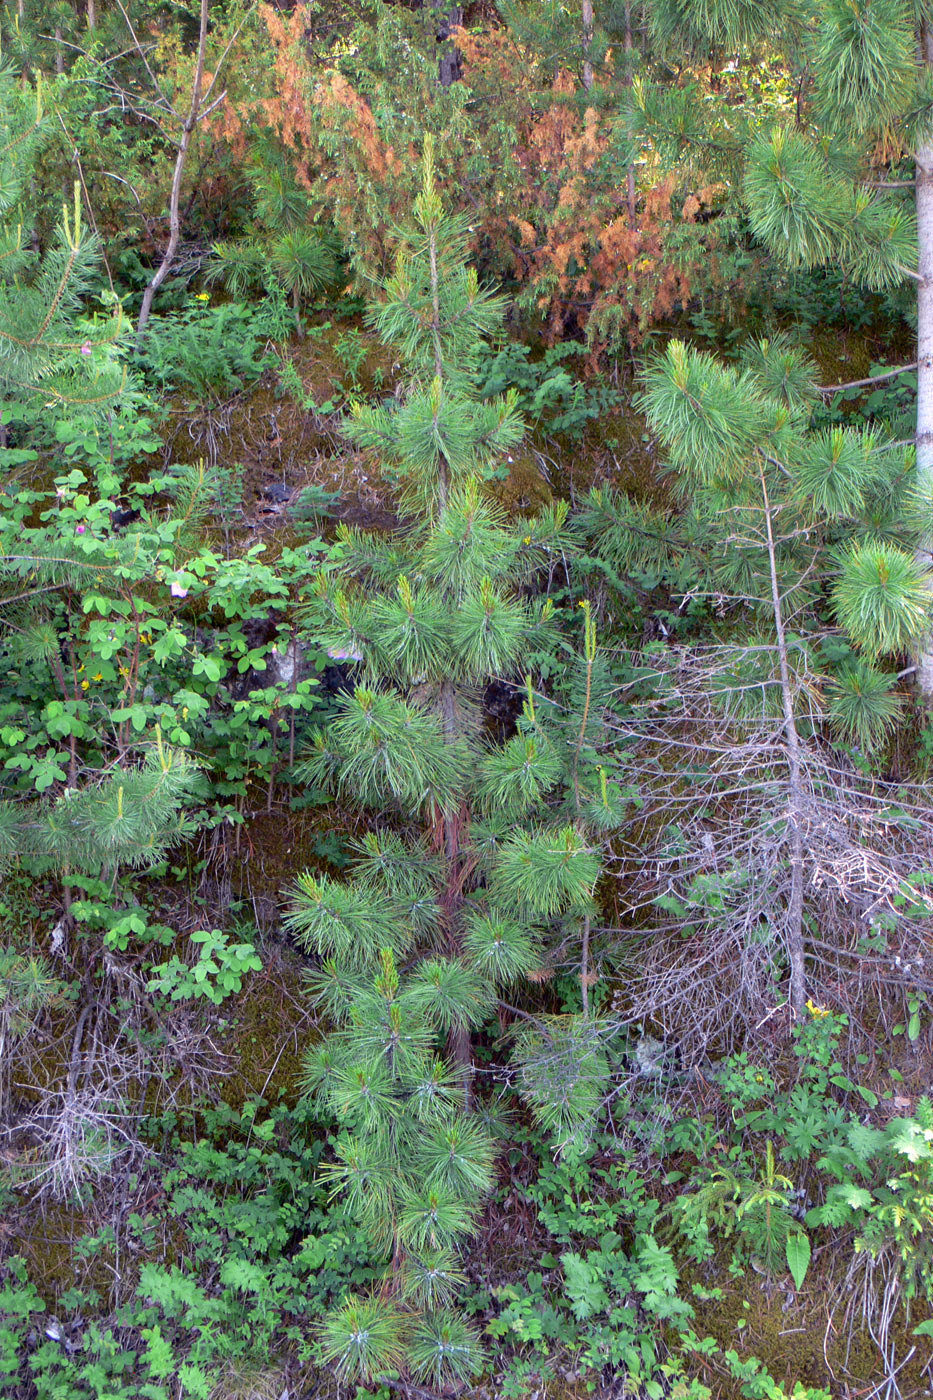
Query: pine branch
[(871, 379)]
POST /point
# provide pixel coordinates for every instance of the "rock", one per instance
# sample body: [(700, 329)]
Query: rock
[(277, 492)]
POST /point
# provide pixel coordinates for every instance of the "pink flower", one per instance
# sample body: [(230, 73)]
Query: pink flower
[(80, 529), (344, 654), (86, 348), (178, 590)]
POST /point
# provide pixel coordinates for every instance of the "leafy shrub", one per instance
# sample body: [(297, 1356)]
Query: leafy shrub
[(548, 394), (610, 1295), (212, 352), (263, 1256), (217, 974), (874, 1182)]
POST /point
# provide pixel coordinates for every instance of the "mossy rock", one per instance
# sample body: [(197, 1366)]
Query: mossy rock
[(269, 1034)]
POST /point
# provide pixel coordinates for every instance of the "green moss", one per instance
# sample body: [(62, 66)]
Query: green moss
[(525, 490), (617, 448), (46, 1237), (269, 1034), (793, 1335)]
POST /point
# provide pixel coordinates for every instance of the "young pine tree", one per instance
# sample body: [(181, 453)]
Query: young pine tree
[(283, 247), (478, 854), (777, 517), (52, 356), (838, 173)]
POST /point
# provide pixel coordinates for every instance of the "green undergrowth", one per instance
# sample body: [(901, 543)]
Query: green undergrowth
[(726, 1253), (231, 1251)]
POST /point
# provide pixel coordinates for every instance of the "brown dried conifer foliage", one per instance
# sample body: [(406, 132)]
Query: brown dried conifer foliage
[(574, 246), (534, 170)]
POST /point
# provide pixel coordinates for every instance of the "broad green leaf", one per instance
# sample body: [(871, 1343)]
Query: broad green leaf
[(798, 1256)]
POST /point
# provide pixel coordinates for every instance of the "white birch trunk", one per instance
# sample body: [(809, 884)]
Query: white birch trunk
[(924, 166)]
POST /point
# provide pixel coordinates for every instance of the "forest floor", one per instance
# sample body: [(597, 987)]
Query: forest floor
[(253, 1046)]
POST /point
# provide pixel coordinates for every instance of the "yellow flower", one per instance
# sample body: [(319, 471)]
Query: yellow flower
[(81, 668), (184, 711), (816, 1010), (98, 677), (85, 685), (203, 296), (527, 540)]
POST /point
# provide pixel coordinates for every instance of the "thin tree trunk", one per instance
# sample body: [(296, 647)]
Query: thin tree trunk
[(450, 63), (443, 482), (59, 51), (923, 157), (628, 79), (458, 1040), (794, 934), (451, 824), (587, 42), (92, 14), (174, 222), (294, 688), (273, 726), (589, 650)]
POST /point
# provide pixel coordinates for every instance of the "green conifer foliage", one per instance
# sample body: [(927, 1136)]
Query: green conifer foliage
[(283, 248), (784, 520), (481, 854), (438, 318), (51, 355), (129, 817), (843, 176), (740, 438)]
